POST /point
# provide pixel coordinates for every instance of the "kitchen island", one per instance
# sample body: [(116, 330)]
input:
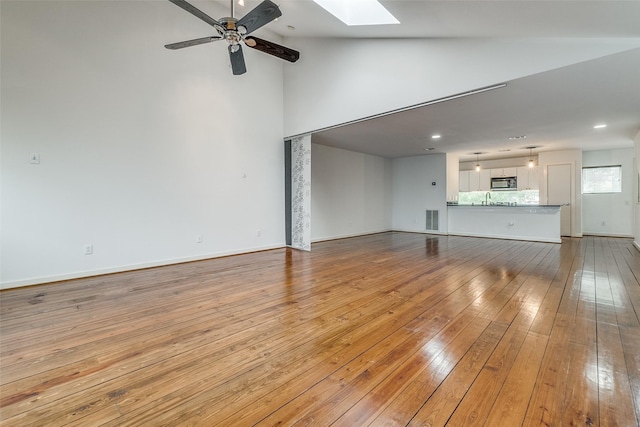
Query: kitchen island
[(539, 223)]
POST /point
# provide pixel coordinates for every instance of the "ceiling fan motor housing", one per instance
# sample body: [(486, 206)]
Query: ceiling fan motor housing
[(232, 33)]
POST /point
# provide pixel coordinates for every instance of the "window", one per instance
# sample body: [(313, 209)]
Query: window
[(602, 179)]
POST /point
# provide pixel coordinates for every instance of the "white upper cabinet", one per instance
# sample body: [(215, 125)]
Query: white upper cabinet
[(527, 178), (485, 180), (463, 181), (481, 180), (474, 180), (533, 178), (502, 172)]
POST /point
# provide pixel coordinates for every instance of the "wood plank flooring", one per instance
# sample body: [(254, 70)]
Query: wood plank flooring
[(391, 329)]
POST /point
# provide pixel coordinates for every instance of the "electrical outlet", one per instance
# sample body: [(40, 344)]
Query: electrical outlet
[(88, 249), (258, 233)]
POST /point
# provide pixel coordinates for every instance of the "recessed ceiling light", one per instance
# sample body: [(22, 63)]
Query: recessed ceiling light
[(512, 138), (436, 136), (358, 12), (600, 126)]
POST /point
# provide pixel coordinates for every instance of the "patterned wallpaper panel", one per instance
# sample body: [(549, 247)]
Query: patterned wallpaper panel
[(301, 193)]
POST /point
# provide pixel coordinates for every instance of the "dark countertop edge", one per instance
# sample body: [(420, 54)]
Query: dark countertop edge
[(505, 206)]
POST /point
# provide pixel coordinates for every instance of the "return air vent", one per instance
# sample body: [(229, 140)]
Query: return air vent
[(432, 220)]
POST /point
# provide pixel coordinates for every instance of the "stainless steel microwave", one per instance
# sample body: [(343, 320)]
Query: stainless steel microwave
[(504, 183)]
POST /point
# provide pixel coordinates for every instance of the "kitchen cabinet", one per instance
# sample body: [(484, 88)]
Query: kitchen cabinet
[(463, 181), (502, 172), (483, 182), (527, 178), (475, 181), (533, 178)]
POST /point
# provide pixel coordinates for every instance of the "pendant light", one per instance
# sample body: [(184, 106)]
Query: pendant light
[(531, 162), (477, 162)]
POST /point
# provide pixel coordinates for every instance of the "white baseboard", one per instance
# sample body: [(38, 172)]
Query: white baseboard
[(346, 236), (130, 267), (441, 233), (589, 233)]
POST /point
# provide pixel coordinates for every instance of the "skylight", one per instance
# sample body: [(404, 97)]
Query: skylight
[(358, 12)]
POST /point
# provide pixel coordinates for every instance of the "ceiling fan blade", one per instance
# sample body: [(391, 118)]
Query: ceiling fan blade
[(197, 13), (237, 60), (262, 14), (194, 42), (272, 49)]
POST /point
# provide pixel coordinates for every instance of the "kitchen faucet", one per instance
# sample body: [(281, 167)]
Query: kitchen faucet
[(487, 197)]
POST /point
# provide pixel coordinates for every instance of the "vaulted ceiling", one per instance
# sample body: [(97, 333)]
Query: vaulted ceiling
[(555, 109)]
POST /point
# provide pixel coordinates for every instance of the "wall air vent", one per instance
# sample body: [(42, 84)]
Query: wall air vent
[(432, 220)]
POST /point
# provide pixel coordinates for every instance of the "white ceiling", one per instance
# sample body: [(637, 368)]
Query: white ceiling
[(450, 18), (555, 109)]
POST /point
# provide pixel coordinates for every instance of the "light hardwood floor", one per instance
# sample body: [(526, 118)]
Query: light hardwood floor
[(391, 329)]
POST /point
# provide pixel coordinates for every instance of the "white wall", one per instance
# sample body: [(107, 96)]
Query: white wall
[(350, 193), (636, 228), (413, 193), (610, 214), (336, 81), (573, 158), (141, 149)]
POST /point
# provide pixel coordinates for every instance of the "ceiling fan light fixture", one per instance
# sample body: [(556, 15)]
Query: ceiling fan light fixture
[(358, 12)]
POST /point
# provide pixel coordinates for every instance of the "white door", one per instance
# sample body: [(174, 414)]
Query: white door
[(559, 193)]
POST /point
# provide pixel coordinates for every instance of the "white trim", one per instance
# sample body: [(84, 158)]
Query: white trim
[(589, 233), (131, 267), (441, 233), (346, 236)]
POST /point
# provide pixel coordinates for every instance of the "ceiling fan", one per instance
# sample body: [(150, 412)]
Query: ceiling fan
[(235, 31)]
